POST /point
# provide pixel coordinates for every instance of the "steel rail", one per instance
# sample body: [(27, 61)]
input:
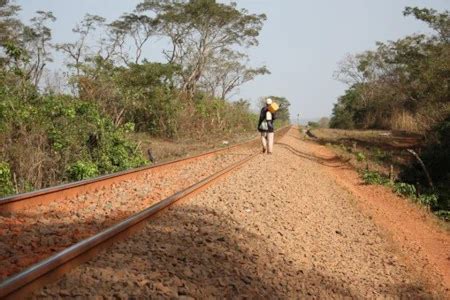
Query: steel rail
[(15, 285), (48, 270), (25, 200)]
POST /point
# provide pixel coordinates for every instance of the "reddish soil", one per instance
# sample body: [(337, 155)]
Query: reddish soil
[(422, 241)]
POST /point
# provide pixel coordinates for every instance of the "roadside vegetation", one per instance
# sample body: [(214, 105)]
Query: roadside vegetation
[(83, 120), (403, 87), (382, 158)]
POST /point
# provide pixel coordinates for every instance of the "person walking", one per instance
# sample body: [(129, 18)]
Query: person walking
[(266, 128)]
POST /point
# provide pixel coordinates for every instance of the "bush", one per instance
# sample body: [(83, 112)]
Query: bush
[(436, 157), (429, 200), (52, 138), (6, 186), (380, 155), (443, 214), (360, 156), (313, 124), (82, 170), (372, 177), (206, 116), (405, 189)]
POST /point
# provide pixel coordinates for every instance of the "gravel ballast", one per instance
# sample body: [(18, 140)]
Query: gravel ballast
[(35, 233), (279, 227)]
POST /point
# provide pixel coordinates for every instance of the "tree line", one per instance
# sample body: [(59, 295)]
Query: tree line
[(76, 125), (405, 85), (402, 84)]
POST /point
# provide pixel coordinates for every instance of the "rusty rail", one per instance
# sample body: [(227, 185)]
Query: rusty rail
[(25, 200), (48, 270)]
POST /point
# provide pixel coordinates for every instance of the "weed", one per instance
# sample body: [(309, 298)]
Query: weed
[(372, 177), (6, 186), (82, 170), (360, 156), (443, 214), (429, 200), (380, 155), (405, 189)]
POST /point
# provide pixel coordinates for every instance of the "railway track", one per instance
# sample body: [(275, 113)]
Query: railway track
[(75, 221)]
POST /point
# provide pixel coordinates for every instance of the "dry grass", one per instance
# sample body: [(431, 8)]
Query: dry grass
[(379, 138), (169, 149), (376, 150), (405, 121)]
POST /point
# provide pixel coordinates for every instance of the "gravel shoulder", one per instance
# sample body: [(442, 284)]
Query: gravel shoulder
[(282, 226)]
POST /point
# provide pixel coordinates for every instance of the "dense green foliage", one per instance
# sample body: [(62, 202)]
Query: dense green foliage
[(49, 138), (346, 114), (6, 185)]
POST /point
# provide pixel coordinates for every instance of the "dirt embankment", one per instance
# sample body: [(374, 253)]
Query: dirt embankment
[(417, 234), (283, 226)]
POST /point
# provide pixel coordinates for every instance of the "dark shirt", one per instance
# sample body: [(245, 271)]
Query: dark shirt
[(262, 117)]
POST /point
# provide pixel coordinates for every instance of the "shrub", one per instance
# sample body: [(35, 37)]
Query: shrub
[(82, 170), (372, 177), (360, 156), (443, 214), (405, 189), (380, 155), (436, 157), (429, 200), (313, 124), (6, 186), (45, 139)]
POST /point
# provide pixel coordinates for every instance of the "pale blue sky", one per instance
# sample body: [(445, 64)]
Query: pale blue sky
[(301, 42)]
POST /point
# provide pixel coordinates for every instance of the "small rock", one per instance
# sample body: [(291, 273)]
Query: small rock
[(64, 293), (246, 279), (188, 273)]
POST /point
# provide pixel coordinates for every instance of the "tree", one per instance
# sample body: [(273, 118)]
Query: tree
[(198, 30), (9, 24), (401, 84), (440, 22), (78, 51), (347, 109), (227, 71), (324, 122), (139, 28), (36, 39), (11, 48)]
